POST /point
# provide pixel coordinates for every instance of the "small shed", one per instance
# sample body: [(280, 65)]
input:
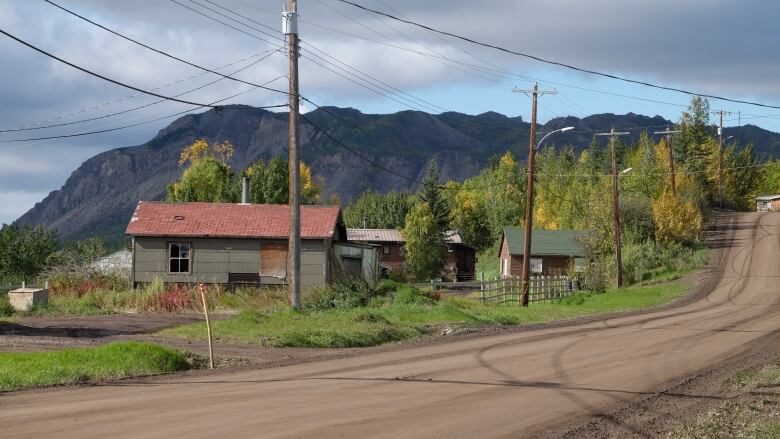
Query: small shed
[(553, 252), (461, 257), (768, 203), (225, 243)]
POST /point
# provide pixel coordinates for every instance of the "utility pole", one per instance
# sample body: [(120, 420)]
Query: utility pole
[(529, 204), (720, 155), (290, 30), (668, 134), (613, 135)]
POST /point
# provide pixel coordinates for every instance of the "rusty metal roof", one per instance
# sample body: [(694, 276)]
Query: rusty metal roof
[(393, 235), (227, 220)]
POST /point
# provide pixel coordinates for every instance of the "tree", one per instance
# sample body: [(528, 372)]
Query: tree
[(425, 252), (207, 180), (676, 221), (769, 184), (269, 183), (24, 251), (741, 176), (378, 211), (430, 193)]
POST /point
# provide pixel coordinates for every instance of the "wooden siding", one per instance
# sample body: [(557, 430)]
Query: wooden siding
[(213, 259), (551, 265)]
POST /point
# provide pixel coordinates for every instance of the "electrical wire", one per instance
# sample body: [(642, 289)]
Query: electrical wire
[(137, 94), (417, 103), (557, 63), (166, 54), (108, 130), (105, 78)]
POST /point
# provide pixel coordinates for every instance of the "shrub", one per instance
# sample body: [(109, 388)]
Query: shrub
[(6, 310), (348, 292), (80, 284), (597, 276), (676, 221)]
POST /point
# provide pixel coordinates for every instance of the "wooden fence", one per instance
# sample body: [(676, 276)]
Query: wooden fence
[(508, 290), (540, 289)]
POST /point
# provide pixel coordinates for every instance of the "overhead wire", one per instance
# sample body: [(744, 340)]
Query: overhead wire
[(38, 127), (558, 63), (98, 75), (108, 130), (163, 53)]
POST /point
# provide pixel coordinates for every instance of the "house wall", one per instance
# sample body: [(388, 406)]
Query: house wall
[(395, 258), (213, 259), (551, 265)]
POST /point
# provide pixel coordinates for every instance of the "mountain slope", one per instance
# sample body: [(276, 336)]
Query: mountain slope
[(99, 197)]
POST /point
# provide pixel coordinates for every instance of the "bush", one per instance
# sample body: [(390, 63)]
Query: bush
[(349, 292), (80, 284), (597, 276), (397, 275), (6, 310)]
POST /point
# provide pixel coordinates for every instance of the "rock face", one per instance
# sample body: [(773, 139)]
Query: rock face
[(99, 197)]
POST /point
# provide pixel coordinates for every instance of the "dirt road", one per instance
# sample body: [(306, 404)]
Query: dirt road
[(526, 384)]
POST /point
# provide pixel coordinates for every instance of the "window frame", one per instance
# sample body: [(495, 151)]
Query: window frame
[(168, 258), (536, 261), (385, 250)]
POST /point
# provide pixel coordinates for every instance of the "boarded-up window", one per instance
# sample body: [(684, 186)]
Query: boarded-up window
[(352, 266), (273, 259)]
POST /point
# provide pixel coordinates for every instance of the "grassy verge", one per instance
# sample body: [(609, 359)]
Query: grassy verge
[(70, 366), (405, 313), (754, 414)]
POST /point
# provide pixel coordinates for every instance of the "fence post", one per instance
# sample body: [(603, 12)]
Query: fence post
[(433, 287), (482, 288)]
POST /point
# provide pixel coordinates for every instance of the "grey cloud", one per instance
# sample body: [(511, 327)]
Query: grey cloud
[(723, 47)]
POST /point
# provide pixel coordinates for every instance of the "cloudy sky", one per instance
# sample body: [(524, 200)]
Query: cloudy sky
[(719, 47)]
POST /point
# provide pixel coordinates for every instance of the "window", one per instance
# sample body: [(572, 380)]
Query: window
[(386, 249), (179, 258), (505, 267), (536, 265)]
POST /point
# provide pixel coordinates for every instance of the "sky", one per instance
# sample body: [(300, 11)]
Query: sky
[(719, 47)]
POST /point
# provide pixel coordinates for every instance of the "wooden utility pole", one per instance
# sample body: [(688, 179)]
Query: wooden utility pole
[(720, 155), (529, 204), (290, 30), (613, 135), (668, 134)]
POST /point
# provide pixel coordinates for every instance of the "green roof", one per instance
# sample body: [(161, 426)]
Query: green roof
[(546, 242)]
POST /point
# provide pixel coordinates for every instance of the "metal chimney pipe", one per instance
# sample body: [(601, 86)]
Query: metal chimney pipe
[(245, 190)]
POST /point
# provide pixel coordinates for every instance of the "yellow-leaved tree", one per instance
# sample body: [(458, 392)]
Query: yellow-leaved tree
[(675, 220)]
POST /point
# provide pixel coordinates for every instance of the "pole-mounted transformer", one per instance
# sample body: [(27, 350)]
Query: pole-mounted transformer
[(289, 22)]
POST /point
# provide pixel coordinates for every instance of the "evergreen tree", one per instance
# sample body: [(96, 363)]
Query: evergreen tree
[(430, 194)]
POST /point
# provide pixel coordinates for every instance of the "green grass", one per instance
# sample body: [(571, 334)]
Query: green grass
[(24, 370), (488, 263), (407, 314), (768, 376)]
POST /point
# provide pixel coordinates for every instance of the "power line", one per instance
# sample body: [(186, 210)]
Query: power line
[(357, 154), (216, 107), (166, 54), (105, 78), (371, 80), (556, 63), (137, 94)]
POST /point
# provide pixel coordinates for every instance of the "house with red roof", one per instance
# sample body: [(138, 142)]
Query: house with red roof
[(224, 243)]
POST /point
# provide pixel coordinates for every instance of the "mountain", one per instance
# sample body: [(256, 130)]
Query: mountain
[(99, 197)]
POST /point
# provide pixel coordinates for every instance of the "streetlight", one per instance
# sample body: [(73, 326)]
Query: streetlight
[(560, 130), (529, 211), (625, 170)]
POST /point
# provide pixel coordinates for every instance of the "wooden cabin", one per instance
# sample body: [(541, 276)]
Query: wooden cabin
[(553, 252)]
